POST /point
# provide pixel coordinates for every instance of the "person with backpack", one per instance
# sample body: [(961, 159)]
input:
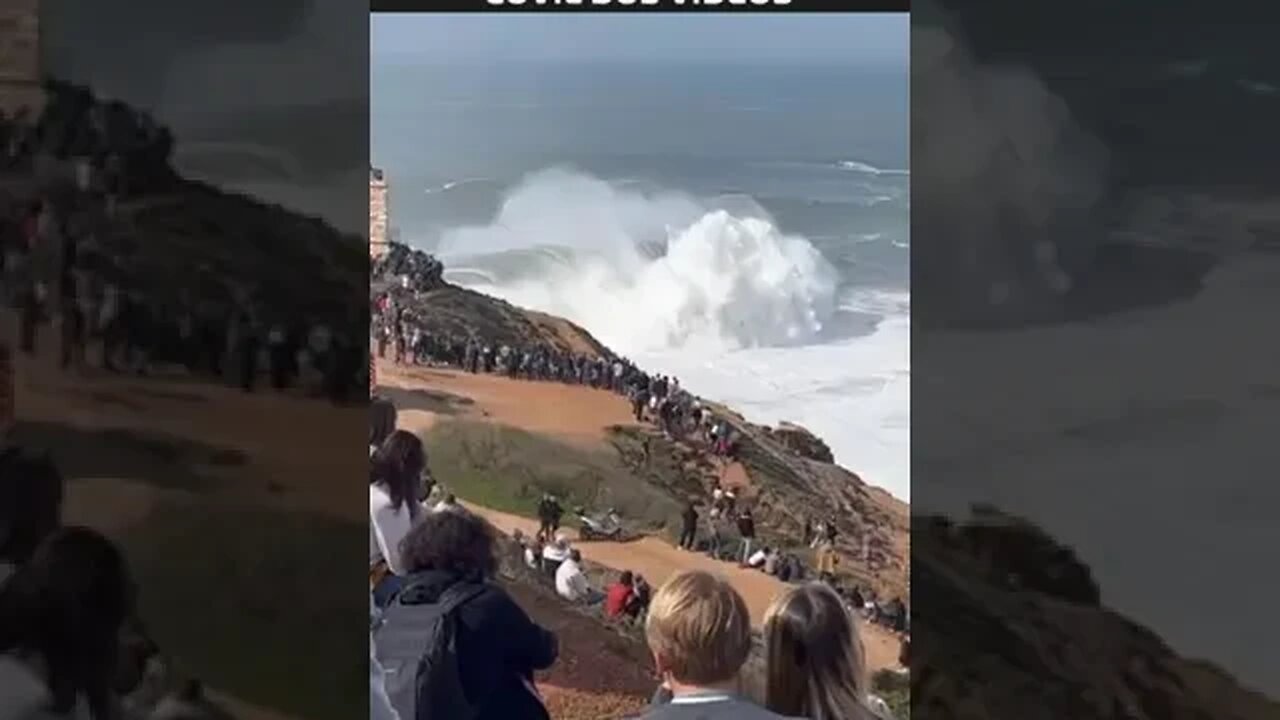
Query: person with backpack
[(453, 645)]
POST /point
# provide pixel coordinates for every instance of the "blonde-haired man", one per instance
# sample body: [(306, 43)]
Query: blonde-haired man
[(699, 632)]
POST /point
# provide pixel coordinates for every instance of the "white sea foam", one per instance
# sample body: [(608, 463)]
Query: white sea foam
[(868, 169), (453, 184), (720, 298)]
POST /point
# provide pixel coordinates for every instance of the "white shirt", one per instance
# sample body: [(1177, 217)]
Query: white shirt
[(24, 695), (571, 584), (555, 554), (387, 527), (756, 558)]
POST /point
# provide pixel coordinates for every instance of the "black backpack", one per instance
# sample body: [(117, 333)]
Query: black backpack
[(415, 641)]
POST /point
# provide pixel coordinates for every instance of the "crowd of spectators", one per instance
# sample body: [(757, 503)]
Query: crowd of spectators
[(450, 642), (68, 262)]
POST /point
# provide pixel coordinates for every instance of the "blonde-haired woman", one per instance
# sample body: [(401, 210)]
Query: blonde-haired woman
[(815, 662)]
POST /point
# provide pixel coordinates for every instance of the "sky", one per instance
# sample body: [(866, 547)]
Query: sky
[(680, 38)]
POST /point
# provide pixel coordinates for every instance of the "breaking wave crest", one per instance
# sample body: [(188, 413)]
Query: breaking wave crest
[(647, 271)]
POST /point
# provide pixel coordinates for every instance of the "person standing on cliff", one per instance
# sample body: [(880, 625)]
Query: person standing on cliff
[(747, 529), (248, 352), (689, 529), (639, 398)]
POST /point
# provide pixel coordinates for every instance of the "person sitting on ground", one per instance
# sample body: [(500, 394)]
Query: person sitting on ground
[(619, 595), (641, 595), (699, 632), (572, 583), (855, 598), (555, 553), (393, 485), (449, 502), (61, 617), (758, 558), (814, 660), (533, 554), (772, 561), (522, 542), (495, 648), (786, 568)]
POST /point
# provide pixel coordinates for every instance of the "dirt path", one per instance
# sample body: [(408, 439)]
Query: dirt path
[(513, 402), (263, 461), (575, 414)]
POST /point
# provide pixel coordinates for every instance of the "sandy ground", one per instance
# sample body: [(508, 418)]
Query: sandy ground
[(272, 469), (581, 415), (279, 462), (575, 414)]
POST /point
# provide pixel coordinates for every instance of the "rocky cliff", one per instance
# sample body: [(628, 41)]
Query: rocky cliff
[(1001, 636), (791, 472)]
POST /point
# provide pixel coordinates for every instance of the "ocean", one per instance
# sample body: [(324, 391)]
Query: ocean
[(743, 228)]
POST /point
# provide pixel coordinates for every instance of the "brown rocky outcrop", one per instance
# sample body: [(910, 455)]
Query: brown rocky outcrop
[(1041, 647), (802, 442)]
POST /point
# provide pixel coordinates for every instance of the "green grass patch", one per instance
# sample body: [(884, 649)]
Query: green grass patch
[(509, 469), (895, 689), (265, 605)]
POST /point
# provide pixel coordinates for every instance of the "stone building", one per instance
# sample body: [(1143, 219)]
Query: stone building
[(378, 230), (20, 56)]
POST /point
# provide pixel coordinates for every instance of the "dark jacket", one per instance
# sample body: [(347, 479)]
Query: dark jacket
[(690, 518), (499, 648), (746, 526)]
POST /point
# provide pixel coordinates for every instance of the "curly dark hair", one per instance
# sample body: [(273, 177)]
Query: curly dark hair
[(454, 541)]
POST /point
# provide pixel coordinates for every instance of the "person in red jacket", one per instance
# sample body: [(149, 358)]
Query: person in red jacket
[(619, 595)]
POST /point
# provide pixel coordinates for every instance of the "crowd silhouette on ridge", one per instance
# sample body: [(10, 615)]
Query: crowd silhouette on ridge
[(66, 253)]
